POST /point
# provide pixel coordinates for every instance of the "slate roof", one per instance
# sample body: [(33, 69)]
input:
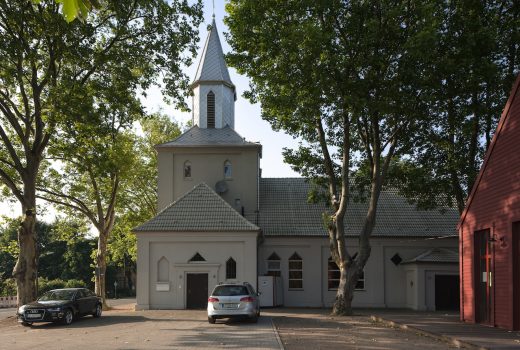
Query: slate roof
[(196, 136), (436, 255), (212, 66), (285, 211), (200, 209)]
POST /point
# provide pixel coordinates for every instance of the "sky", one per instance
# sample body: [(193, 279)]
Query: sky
[(248, 122)]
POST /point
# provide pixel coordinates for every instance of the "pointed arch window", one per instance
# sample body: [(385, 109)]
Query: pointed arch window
[(334, 275), (295, 272), (273, 265), (197, 258), (163, 270), (227, 170), (231, 269), (187, 170), (211, 109)]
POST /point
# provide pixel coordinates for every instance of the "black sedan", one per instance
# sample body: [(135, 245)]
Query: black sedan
[(60, 305)]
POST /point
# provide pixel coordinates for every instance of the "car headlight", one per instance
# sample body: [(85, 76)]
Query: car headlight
[(54, 309), (21, 309)]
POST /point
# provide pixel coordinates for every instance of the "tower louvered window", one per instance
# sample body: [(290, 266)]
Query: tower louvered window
[(211, 110)]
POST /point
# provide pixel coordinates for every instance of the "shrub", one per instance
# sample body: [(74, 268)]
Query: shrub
[(7, 287), (45, 285)]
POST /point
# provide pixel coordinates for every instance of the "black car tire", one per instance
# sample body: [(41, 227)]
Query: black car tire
[(211, 320), (98, 311), (69, 316), (27, 324)]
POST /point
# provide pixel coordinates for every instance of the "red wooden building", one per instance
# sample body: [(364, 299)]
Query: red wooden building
[(489, 230)]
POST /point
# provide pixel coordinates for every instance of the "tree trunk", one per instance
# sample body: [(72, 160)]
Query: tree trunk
[(345, 294), (101, 266), (26, 269)]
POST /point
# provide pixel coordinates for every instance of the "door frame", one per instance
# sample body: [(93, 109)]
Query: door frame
[(186, 279), (515, 258), (483, 301)]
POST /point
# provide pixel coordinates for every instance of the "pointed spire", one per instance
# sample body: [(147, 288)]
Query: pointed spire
[(212, 66)]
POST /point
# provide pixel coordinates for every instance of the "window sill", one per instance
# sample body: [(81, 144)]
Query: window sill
[(188, 179)]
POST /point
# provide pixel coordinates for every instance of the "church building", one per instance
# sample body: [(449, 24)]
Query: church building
[(220, 221)]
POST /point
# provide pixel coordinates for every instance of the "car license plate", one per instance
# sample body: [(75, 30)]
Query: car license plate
[(229, 306), (33, 315)]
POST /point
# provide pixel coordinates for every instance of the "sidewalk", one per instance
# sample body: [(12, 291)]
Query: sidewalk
[(449, 327)]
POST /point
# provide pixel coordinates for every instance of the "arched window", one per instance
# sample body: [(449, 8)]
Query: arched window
[(295, 272), (187, 169), (163, 270), (227, 170), (273, 265), (334, 275), (211, 109), (231, 269)]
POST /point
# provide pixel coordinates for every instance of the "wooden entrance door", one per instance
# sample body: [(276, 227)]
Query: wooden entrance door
[(196, 290), (483, 283), (516, 275)]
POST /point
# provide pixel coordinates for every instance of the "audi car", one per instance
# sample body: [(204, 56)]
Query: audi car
[(233, 300), (60, 305)]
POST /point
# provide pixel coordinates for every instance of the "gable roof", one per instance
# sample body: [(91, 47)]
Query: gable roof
[(515, 93), (202, 137), (285, 211), (200, 209), (435, 255), (212, 66)]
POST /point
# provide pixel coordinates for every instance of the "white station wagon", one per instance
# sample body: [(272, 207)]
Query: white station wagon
[(231, 300)]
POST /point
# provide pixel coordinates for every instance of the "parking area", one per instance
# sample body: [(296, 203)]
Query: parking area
[(125, 329)]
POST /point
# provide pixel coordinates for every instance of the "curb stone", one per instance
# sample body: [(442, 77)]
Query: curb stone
[(452, 340), (278, 339)]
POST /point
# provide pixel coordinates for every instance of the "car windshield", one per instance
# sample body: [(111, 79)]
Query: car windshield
[(57, 295), (230, 291)]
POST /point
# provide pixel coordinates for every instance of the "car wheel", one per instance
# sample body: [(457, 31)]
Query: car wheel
[(211, 320), (69, 316), (98, 311), (27, 324)]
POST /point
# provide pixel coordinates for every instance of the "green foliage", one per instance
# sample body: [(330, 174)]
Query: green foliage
[(44, 285), (466, 75), (7, 287)]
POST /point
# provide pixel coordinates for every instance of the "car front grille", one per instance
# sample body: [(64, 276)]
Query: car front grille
[(34, 314)]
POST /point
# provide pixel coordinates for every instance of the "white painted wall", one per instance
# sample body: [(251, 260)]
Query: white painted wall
[(385, 283), (178, 249), (207, 165)]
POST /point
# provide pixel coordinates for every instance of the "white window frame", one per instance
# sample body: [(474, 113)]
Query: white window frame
[(300, 260)]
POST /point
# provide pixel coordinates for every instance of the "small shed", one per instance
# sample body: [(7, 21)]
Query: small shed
[(489, 230)]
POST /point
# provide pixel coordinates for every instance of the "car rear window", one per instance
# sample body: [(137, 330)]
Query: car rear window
[(223, 291)]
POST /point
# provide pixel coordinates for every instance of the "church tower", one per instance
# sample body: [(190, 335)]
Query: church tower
[(214, 93)]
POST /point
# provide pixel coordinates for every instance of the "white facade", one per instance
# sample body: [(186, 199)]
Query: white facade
[(157, 292), (386, 285)]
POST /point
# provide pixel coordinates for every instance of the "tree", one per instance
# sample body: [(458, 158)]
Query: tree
[(470, 68), (138, 201), (338, 75), (45, 67)]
